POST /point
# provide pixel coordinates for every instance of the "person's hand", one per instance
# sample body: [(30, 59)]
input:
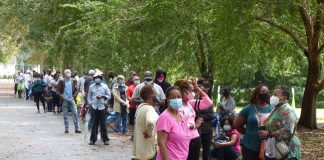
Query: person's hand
[(146, 135), (194, 83), (217, 145), (263, 133)]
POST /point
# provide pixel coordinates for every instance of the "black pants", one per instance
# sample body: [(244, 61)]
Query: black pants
[(20, 94), (39, 97), (99, 118), (194, 149), (56, 102), (248, 154), (16, 85), (206, 139)]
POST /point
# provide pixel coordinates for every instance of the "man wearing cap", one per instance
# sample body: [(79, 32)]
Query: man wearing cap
[(89, 80), (120, 105), (148, 80), (98, 95), (67, 90)]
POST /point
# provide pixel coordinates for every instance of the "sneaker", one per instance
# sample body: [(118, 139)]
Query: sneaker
[(106, 143), (66, 131), (78, 131), (91, 143), (38, 111)]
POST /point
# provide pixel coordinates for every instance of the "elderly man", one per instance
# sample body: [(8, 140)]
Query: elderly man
[(67, 90), (98, 95), (148, 80)]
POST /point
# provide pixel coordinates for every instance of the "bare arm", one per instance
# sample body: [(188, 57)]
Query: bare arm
[(162, 137), (239, 122)]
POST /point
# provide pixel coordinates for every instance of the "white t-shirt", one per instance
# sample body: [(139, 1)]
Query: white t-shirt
[(27, 79)]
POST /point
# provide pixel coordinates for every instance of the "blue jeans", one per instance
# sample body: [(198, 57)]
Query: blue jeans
[(227, 153), (91, 111), (66, 105), (121, 122)]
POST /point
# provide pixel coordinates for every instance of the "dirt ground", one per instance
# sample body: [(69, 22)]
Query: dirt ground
[(27, 135)]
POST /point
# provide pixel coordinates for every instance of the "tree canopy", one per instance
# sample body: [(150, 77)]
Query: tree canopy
[(236, 43)]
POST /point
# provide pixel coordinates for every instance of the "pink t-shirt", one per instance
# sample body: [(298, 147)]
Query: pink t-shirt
[(237, 143), (188, 112), (178, 139)]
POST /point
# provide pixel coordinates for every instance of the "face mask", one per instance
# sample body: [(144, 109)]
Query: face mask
[(264, 97), (137, 82), (68, 76), (121, 82), (160, 81), (97, 80), (227, 127), (176, 103), (191, 95), (274, 100)]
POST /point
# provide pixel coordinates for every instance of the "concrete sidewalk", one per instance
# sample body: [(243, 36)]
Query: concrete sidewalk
[(27, 135)]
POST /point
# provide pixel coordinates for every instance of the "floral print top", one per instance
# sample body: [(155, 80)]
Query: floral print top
[(283, 122)]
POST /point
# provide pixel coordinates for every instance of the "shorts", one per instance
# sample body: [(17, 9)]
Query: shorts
[(131, 116)]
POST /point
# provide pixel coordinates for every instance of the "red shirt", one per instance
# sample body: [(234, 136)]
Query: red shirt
[(129, 93)]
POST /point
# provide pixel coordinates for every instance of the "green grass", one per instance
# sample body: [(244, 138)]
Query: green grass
[(319, 113)]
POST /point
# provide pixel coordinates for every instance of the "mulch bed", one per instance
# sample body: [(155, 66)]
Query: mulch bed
[(312, 143)]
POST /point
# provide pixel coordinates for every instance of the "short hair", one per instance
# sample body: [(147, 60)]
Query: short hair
[(226, 118), (285, 90), (146, 92)]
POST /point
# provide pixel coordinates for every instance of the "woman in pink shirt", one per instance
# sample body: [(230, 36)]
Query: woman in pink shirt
[(188, 111), (173, 134), (231, 149)]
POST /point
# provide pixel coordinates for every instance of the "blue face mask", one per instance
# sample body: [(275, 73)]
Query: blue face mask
[(97, 80), (176, 103), (227, 127)]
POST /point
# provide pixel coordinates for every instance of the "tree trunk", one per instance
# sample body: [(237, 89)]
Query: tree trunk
[(308, 112)]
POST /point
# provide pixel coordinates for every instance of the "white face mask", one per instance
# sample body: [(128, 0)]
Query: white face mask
[(274, 100)]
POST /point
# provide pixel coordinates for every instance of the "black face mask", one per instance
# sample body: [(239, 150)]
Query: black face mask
[(265, 97), (226, 93)]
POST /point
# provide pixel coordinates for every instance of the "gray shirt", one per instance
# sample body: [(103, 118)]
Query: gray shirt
[(159, 91), (228, 105)]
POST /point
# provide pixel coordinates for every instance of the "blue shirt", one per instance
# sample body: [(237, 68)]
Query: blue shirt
[(68, 95), (251, 139), (98, 90)]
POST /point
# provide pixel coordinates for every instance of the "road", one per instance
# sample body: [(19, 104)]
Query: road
[(27, 135)]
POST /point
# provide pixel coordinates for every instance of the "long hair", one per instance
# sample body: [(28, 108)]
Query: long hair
[(256, 93)]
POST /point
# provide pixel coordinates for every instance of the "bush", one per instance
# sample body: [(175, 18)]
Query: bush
[(320, 104)]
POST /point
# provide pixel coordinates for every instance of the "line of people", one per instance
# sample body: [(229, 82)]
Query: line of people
[(174, 121)]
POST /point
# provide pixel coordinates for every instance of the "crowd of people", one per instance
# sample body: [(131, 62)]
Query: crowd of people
[(168, 122)]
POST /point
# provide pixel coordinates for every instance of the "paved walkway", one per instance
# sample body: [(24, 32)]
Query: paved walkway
[(27, 135)]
